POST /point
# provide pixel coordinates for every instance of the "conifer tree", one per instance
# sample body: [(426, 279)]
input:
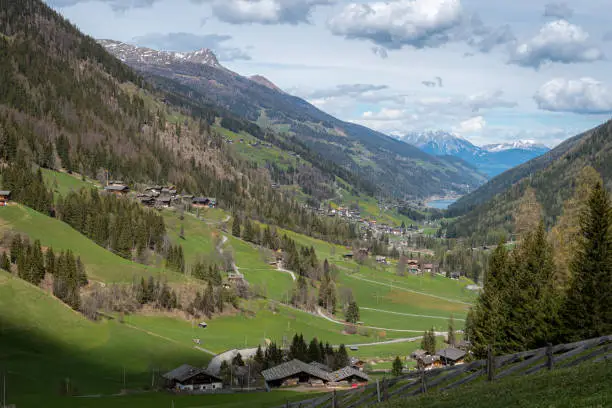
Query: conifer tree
[(341, 358), (5, 262), (397, 367), (451, 332), (352, 313), (236, 226), (314, 350), (587, 309)]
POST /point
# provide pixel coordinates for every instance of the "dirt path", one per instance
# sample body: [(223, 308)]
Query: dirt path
[(168, 339), (407, 314), (289, 272)]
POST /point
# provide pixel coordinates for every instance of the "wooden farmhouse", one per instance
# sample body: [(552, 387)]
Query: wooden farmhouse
[(5, 198), (189, 378), (118, 189), (451, 356), (296, 372)]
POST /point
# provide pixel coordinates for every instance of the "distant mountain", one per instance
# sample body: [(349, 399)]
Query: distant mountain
[(491, 159), (489, 210), (387, 165), (529, 145), (131, 54)]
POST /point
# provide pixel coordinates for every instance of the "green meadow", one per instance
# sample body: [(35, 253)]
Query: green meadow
[(101, 264), (43, 342)]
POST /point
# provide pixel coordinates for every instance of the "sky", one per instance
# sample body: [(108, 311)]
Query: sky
[(487, 70)]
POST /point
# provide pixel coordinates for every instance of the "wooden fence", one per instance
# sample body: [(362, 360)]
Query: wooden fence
[(446, 378)]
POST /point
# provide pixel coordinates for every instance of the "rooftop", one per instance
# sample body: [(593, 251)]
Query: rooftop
[(185, 372), (451, 353)]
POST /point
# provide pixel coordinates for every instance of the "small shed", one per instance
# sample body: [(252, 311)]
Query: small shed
[(349, 375)]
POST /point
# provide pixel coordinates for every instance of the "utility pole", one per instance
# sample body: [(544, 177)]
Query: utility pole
[(4, 390)]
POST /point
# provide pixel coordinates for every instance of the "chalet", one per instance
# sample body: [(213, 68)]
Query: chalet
[(293, 373), (200, 202), (381, 259), (428, 268), (419, 353), (189, 378), (427, 362), (163, 202), (296, 372), (451, 356), (5, 198), (347, 376), (357, 364), (348, 256), (118, 189)]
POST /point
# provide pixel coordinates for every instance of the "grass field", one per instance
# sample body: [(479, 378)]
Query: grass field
[(63, 183), (43, 342), (163, 400), (587, 385), (100, 264)]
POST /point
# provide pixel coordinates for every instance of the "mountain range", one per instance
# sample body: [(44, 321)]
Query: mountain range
[(383, 164), (491, 159)]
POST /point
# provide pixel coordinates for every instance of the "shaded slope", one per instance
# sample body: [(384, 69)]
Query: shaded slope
[(552, 175), (43, 342)]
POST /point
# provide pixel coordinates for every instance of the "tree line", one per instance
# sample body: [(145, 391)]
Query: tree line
[(552, 287), (32, 265)]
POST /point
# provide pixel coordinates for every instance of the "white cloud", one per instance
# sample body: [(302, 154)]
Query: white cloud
[(388, 114), (558, 41), (264, 11), (395, 24), (584, 96), (470, 126)]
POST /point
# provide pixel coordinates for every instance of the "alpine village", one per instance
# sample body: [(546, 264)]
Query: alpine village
[(176, 234)]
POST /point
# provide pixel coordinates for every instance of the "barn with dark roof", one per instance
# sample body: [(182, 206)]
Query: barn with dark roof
[(296, 372), (189, 378)]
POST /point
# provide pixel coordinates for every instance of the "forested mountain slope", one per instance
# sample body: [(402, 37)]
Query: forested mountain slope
[(489, 210), (66, 103), (392, 166)]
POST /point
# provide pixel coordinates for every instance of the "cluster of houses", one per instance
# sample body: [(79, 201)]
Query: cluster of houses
[(447, 357), (161, 196), (187, 378)]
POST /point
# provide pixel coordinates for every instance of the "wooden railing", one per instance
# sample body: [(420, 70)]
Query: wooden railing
[(446, 378)]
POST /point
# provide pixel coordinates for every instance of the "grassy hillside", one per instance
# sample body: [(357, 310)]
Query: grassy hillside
[(43, 342), (101, 264), (587, 385)]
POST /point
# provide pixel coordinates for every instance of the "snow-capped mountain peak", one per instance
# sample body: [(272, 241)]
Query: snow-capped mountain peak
[(133, 54), (439, 142), (520, 144)]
